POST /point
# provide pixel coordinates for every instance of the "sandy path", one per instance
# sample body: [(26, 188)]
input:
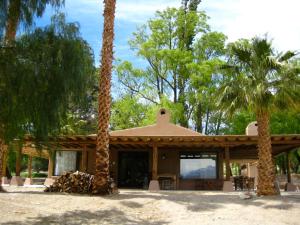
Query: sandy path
[(32, 206)]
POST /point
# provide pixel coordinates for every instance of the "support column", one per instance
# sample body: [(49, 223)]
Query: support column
[(227, 162), (84, 159), (289, 186), (154, 162), (248, 170), (49, 180), (288, 167), (17, 180), (4, 179), (18, 162), (227, 185), (221, 166), (50, 166), (154, 185), (28, 180)]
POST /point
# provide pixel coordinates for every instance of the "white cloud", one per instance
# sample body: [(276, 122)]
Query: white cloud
[(140, 11), (246, 19), (236, 18), (137, 11)]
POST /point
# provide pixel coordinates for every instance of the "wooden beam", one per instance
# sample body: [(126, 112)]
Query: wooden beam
[(227, 161), (51, 164), (18, 161), (154, 162), (84, 159), (288, 167), (5, 156), (221, 167), (29, 167)]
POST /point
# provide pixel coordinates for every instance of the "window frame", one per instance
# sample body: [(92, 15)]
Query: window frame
[(200, 154)]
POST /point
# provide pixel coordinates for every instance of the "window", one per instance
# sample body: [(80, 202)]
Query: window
[(198, 165), (65, 161)]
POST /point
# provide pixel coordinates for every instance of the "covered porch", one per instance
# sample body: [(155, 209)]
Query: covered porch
[(163, 155), (166, 155)]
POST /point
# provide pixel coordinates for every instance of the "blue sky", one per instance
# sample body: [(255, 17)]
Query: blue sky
[(236, 18)]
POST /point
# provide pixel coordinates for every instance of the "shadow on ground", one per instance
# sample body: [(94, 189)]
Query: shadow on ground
[(77, 217), (202, 201), (194, 201)]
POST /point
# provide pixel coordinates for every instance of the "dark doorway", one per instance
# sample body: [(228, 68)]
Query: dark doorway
[(133, 169)]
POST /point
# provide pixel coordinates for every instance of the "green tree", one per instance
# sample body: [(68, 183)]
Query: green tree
[(12, 14), (260, 81), (16, 12), (127, 112), (205, 78), (41, 74), (181, 56)]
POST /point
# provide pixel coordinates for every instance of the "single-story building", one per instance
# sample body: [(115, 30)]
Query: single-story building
[(179, 158)]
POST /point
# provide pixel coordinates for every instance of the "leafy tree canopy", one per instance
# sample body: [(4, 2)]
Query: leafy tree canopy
[(42, 74), (19, 12), (181, 58)]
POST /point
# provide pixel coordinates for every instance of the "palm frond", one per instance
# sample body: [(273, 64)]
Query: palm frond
[(262, 80), (286, 56)]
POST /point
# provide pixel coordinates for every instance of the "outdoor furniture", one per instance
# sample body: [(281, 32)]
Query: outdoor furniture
[(243, 183), (167, 181)]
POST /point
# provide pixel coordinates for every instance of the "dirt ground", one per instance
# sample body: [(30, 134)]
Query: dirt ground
[(22, 205)]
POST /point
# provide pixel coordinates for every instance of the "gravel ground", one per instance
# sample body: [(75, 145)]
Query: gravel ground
[(20, 205)]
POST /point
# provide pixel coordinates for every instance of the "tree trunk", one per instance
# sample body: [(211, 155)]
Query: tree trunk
[(1, 162), (101, 178), (266, 168), (219, 123), (14, 9), (206, 121), (10, 35), (198, 119)]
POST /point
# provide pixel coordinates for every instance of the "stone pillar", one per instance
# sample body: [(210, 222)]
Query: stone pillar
[(227, 185), (154, 185), (17, 180), (28, 180)]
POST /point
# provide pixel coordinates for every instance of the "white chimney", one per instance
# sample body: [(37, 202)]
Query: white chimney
[(251, 129)]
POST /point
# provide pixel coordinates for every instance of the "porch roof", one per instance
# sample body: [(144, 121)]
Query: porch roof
[(241, 146), (166, 135)]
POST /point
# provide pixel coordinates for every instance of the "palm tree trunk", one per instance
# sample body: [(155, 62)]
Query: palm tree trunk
[(266, 168), (101, 179)]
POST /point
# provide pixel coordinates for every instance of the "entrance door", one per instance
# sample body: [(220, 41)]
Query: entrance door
[(133, 169)]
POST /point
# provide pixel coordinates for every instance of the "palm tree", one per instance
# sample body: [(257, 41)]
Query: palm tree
[(261, 81), (101, 178), (14, 12)]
